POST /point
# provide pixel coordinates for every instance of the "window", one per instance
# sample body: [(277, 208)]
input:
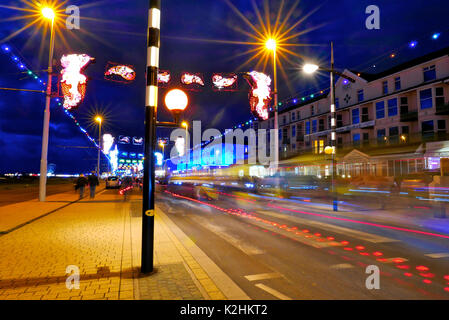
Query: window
[(429, 73), (381, 135), (439, 97), (308, 127), (385, 87), (360, 95), (337, 103), (425, 96), (293, 116), (312, 110), (365, 137), (380, 110), (300, 135), (394, 131), (404, 105), (405, 130), (392, 107), (339, 120), (356, 138), (441, 126), (397, 83), (365, 116), (293, 131), (355, 116), (427, 128), (299, 115), (314, 126), (284, 120), (321, 125)]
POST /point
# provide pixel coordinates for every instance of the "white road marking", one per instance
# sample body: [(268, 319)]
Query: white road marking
[(244, 246), (342, 230), (438, 255), (262, 276), (273, 292), (342, 266)]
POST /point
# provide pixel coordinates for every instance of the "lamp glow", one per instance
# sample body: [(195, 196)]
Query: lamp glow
[(98, 119), (48, 13), (184, 124), (310, 68), (271, 44), (176, 100)]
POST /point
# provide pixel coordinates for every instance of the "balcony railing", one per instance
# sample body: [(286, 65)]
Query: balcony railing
[(442, 109), (409, 116)]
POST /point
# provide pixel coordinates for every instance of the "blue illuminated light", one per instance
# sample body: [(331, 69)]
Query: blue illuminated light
[(413, 44), (435, 36)]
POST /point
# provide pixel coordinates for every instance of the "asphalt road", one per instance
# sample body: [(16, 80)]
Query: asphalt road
[(278, 249)]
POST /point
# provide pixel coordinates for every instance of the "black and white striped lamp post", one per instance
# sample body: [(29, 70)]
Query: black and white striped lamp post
[(151, 101), (176, 101), (311, 68)]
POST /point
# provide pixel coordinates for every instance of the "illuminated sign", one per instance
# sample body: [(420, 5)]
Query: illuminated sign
[(124, 140), (163, 77), (189, 79), (119, 73), (138, 141), (223, 82), (260, 95), (73, 82)]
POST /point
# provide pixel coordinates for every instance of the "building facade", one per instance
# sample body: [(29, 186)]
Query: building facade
[(388, 124)]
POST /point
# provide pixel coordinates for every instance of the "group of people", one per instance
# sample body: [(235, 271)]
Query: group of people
[(92, 181)]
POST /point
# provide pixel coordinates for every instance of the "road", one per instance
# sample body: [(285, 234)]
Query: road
[(283, 249), (280, 249)]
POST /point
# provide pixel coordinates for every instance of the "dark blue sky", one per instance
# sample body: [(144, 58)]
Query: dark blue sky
[(120, 36)]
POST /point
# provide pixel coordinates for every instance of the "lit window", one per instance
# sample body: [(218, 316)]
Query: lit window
[(385, 87), (380, 110), (425, 97), (360, 95), (429, 73), (355, 116), (397, 83), (392, 107)]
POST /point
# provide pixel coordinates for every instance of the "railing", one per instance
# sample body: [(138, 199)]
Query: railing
[(442, 109), (409, 116)]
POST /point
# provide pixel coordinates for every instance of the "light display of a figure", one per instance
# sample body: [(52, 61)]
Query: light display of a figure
[(260, 94), (73, 82)]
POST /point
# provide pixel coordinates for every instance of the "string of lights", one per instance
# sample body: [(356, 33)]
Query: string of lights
[(392, 55), (21, 65)]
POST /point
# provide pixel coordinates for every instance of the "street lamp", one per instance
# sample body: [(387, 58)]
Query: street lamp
[(99, 120), (271, 45), (176, 101), (187, 141), (49, 14), (310, 68)]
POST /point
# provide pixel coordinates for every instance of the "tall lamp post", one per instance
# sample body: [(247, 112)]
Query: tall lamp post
[(48, 14), (99, 120), (310, 68), (187, 142), (270, 45)]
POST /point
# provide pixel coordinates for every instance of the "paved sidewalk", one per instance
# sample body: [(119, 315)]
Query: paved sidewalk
[(102, 238)]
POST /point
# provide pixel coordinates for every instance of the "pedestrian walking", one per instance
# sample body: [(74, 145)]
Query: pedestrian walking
[(125, 187), (93, 183), (81, 183)]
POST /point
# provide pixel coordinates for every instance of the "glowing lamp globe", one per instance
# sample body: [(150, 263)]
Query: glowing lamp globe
[(310, 68), (329, 150), (270, 44), (176, 100), (48, 13)]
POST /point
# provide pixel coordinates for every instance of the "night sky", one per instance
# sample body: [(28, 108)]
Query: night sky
[(119, 35)]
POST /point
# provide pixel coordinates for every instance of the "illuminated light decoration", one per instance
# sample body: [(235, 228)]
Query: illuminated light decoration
[(360, 247), (446, 277), (163, 77), (260, 94), (125, 72), (108, 141), (114, 159), (377, 254), (191, 79), (436, 35), (180, 145), (408, 274), (413, 44), (124, 139), (73, 82), (137, 141), (224, 82), (427, 281)]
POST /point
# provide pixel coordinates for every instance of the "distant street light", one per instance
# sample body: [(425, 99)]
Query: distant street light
[(99, 120), (271, 45), (310, 68), (49, 14), (184, 124)]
